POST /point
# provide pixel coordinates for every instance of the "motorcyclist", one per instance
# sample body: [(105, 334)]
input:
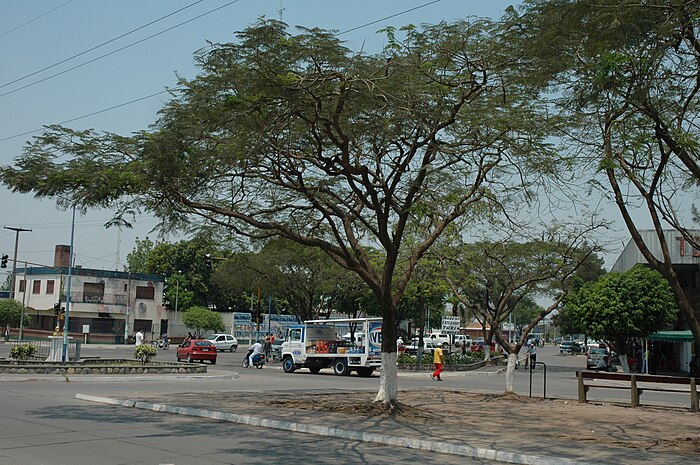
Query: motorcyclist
[(253, 351)]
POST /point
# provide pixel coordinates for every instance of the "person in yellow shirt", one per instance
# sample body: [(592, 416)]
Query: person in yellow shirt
[(438, 359)]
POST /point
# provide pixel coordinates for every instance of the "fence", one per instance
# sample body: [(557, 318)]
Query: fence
[(43, 348)]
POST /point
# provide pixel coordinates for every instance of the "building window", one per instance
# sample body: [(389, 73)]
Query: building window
[(93, 292), (145, 292), (36, 289), (22, 285), (49, 286)]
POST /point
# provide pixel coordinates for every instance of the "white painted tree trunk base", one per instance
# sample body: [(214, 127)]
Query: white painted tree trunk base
[(388, 380), (510, 372)]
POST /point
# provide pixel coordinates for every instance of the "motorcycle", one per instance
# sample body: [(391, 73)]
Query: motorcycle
[(258, 361), (162, 343)]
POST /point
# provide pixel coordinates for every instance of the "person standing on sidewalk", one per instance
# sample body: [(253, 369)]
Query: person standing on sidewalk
[(438, 359)]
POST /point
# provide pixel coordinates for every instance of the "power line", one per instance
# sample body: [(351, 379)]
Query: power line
[(390, 16), (114, 107), (32, 20), (175, 89), (118, 50), (100, 45)]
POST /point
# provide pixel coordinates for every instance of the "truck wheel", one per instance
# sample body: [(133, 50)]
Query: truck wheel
[(340, 367), (365, 372), (288, 364), (315, 370)]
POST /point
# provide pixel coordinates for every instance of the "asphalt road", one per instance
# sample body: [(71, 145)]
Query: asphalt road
[(41, 422), (41, 426)]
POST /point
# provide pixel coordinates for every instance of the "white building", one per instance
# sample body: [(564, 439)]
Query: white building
[(109, 305), (674, 347)]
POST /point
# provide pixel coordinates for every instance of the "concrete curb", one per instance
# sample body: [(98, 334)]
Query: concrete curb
[(396, 441)]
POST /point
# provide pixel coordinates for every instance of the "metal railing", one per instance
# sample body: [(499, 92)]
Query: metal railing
[(106, 299), (43, 348)]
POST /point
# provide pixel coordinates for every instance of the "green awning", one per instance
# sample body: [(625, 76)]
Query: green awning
[(672, 336)]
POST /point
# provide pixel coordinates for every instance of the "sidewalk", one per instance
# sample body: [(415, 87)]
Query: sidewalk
[(491, 427)]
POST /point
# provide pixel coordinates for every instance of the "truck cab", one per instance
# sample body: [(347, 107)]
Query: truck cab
[(317, 344)]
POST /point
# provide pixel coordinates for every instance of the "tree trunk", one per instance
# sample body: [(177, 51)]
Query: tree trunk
[(510, 371), (388, 378)]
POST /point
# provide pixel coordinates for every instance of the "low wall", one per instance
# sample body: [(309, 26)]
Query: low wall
[(431, 367), (99, 367)]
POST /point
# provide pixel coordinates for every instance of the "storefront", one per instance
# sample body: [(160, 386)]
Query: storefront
[(670, 352)]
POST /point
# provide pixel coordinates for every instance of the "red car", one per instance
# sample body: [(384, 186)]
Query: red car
[(197, 349)]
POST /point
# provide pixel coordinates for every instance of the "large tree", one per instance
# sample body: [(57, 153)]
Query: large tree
[(297, 136), (625, 77), (621, 306), (494, 278)]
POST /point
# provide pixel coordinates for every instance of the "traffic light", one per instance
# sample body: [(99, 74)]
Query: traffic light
[(56, 309), (207, 260), (5, 258)]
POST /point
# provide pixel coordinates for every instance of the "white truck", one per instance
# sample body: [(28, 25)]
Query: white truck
[(317, 344)]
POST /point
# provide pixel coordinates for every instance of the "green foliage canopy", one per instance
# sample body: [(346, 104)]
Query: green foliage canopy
[(201, 320), (620, 306), (11, 313)]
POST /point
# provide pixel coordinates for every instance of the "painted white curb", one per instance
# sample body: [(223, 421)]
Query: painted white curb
[(410, 443)]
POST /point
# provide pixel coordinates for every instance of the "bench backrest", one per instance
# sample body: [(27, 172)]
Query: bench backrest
[(642, 378)]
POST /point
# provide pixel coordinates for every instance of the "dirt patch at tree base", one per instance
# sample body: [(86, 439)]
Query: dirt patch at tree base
[(655, 429)]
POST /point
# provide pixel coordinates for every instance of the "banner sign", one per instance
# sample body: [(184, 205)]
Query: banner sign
[(450, 324)]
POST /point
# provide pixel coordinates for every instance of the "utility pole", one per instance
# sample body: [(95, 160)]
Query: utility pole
[(14, 260)]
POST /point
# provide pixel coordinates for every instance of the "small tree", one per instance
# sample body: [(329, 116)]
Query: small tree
[(622, 306), (145, 352), (11, 313), (202, 319)]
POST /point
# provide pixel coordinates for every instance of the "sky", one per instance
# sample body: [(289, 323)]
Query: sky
[(38, 34)]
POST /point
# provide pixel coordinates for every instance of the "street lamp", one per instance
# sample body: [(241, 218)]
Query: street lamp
[(64, 355), (177, 289)]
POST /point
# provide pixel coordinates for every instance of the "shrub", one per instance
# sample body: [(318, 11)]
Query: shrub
[(464, 359), (406, 358), (22, 351), (145, 352)]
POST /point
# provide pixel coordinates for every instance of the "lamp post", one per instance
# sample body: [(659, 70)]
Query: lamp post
[(21, 315), (128, 310), (14, 260), (64, 355), (177, 289)]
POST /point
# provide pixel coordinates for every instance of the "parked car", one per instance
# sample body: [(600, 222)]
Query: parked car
[(462, 339), (276, 349), (440, 339), (569, 347), (224, 342), (595, 354), (428, 347), (197, 349)]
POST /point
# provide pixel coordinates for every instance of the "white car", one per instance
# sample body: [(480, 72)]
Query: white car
[(223, 342), (463, 339), (428, 347), (439, 339)]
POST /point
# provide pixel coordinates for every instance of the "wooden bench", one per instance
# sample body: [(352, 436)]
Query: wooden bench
[(631, 380)]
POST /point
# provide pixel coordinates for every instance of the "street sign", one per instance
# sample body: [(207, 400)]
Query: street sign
[(450, 324)]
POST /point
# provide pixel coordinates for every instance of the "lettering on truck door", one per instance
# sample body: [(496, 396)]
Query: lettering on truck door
[(296, 344)]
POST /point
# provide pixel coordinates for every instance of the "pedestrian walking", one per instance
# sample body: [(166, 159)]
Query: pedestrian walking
[(438, 360), (139, 338), (532, 353)]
